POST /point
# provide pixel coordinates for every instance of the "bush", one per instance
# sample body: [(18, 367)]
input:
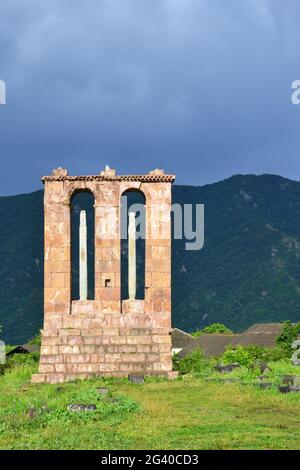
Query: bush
[(36, 340), (288, 334), (214, 328), (22, 360), (248, 355), (193, 362)]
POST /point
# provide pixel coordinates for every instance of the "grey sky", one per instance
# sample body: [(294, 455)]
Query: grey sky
[(200, 88)]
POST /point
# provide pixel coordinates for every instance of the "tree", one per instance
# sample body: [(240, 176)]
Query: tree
[(214, 328)]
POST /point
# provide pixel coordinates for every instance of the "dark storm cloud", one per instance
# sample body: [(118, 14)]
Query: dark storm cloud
[(200, 88)]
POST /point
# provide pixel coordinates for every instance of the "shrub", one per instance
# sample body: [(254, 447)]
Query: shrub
[(193, 362), (214, 328), (22, 360), (288, 334), (248, 355), (36, 340)]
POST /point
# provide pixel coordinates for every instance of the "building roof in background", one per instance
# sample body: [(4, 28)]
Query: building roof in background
[(214, 344), (259, 334), (23, 349)]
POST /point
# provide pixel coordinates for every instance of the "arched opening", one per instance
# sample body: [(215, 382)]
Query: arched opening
[(133, 235), (83, 245)]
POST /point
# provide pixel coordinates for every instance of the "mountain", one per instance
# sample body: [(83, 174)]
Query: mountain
[(247, 272), (21, 266)]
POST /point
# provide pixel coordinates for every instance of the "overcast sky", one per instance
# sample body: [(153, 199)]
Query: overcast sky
[(201, 88)]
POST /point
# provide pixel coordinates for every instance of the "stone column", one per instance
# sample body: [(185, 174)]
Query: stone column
[(131, 256), (83, 278)]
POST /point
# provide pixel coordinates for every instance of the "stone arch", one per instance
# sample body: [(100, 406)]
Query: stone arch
[(82, 200), (133, 199)]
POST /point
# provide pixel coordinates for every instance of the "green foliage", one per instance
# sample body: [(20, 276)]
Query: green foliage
[(193, 362), (47, 406), (107, 408), (249, 355), (240, 355), (195, 412), (19, 361), (288, 334), (37, 339), (191, 413), (214, 328), (248, 271), (31, 359)]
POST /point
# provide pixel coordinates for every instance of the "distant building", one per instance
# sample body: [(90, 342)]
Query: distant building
[(260, 334), (23, 349)]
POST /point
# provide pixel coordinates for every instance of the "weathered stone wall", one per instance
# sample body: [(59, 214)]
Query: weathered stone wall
[(106, 336)]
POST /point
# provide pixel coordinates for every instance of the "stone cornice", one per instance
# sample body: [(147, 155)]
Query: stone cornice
[(150, 178)]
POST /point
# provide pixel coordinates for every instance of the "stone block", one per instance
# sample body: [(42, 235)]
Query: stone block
[(44, 368), (38, 378), (51, 341), (159, 265), (87, 349), (60, 367), (72, 340), (109, 293), (55, 378), (162, 339), (163, 367), (82, 307), (51, 359), (133, 306), (139, 339), (111, 306), (113, 357), (91, 368), (69, 332), (49, 349), (108, 367), (135, 357), (161, 280), (69, 349), (78, 358)]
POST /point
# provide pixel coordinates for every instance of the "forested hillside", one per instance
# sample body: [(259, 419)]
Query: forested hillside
[(247, 272)]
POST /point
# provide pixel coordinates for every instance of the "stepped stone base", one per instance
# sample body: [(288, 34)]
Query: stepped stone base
[(55, 378), (80, 353)]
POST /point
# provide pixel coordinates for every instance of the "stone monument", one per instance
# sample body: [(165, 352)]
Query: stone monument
[(106, 336)]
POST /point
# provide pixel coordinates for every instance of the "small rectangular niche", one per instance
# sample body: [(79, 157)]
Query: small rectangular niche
[(107, 282)]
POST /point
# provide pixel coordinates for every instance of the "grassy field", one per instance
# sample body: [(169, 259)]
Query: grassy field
[(187, 413)]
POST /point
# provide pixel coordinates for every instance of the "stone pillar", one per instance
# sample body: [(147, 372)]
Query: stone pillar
[(83, 276), (131, 256), (107, 247), (57, 293)]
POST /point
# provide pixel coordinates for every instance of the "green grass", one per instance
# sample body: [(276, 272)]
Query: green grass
[(188, 413)]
